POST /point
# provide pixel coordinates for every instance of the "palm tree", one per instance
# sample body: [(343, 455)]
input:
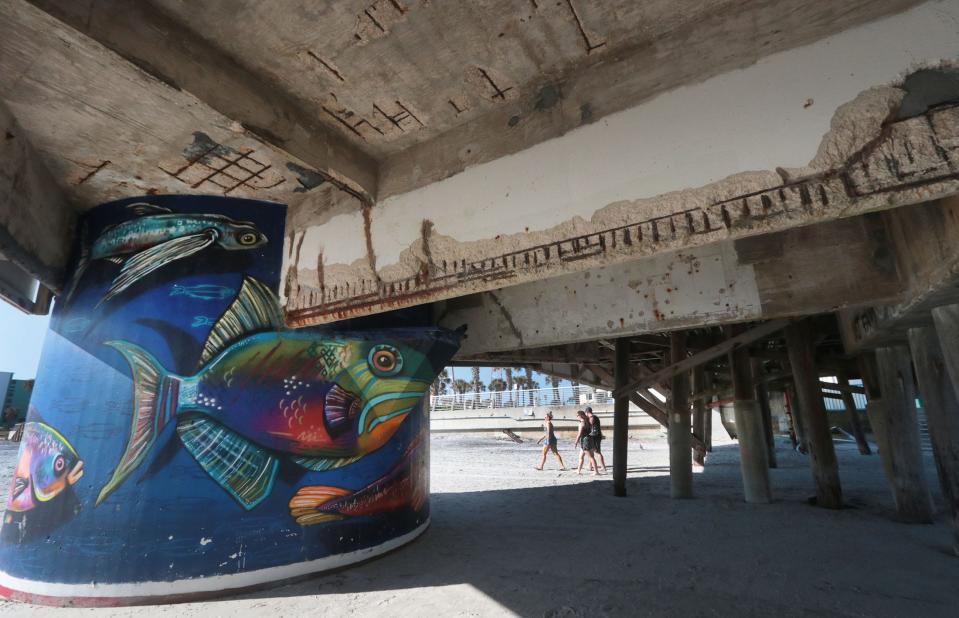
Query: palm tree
[(554, 382), (497, 386), (529, 383), (476, 386), (509, 384)]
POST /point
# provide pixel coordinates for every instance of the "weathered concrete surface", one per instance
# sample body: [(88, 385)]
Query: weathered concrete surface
[(763, 277), (35, 219), (564, 205), (107, 129)]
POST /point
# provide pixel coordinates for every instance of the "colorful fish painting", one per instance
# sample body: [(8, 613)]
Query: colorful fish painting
[(261, 393), (157, 237), (47, 466), (405, 485), (202, 291)]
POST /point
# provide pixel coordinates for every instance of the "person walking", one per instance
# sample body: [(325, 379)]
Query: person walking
[(596, 436), (584, 441), (550, 437)]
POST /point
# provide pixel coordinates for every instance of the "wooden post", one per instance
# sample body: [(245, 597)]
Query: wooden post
[(753, 461), (620, 416), (939, 398), (762, 398), (822, 456), (901, 430), (802, 445), (680, 438), (854, 421), (699, 414)]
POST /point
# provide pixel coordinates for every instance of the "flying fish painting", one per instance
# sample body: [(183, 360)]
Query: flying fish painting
[(157, 237), (261, 394)]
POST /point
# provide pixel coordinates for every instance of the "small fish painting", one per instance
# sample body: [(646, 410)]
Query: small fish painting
[(203, 291), (157, 237), (405, 485), (262, 393), (74, 326), (48, 466), (199, 321)]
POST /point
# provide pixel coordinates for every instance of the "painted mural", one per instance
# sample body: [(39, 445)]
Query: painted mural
[(185, 441)]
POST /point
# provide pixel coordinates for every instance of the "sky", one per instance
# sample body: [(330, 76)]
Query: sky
[(21, 338)]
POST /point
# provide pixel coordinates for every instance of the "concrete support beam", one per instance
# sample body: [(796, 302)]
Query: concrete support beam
[(36, 221), (825, 468), (764, 277), (753, 461), (941, 405), (679, 434), (169, 50), (620, 417), (900, 450)]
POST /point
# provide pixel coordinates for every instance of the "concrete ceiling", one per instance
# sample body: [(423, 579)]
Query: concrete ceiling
[(379, 97)]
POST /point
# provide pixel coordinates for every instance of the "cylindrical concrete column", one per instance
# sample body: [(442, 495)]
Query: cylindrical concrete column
[(753, 452), (680, 436), (182, 442)]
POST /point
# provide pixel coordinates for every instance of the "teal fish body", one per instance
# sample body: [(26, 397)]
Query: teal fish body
[(321, 400), (157, 237)]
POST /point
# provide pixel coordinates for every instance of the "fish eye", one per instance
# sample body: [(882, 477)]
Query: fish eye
[(59, 464), (247, 238), (385, 360)]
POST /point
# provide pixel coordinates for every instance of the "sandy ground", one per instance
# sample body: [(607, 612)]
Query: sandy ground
[(506, 539)]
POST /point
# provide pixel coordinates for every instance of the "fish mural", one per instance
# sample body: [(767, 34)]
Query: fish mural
[(405, 485), (320, 400), (47, 469), (47, 465), (157, 237), (202, 291)]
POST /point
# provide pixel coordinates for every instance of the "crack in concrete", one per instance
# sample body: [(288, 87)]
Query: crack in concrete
[(507, 317)]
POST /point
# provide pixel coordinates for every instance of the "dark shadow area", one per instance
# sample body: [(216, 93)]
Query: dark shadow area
[(576, 550)]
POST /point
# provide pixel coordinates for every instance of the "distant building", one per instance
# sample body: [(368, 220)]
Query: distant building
[(16, 395)]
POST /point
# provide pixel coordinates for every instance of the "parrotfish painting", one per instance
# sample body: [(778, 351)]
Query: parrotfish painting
[(47, 468), (261, 393), (157, 237), (405, 485)]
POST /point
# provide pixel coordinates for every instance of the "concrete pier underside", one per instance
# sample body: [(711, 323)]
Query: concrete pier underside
[(739, 201)]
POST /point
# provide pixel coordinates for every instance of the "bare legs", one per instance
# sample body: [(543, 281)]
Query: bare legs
[(602, 459), (592, 462), (546, 449)]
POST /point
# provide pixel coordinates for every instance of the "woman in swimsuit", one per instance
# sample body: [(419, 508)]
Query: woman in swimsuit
[(550, 445), (586, 443)]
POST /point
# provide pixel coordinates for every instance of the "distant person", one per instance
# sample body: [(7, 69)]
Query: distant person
[(585, 442), (9, 418), (596, 436), (550, 437)]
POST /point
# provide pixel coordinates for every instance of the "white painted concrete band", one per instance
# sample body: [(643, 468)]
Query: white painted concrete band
[(215, 583)]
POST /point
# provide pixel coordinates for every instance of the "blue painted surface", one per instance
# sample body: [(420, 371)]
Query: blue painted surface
[(169, 520)]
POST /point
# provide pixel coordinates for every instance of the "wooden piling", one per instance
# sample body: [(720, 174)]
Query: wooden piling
[(855, 423), (699, 414), (900, 448), (939, 398), (822, 455), (762, 398), (679, 436), (753, 454), (620, 416)]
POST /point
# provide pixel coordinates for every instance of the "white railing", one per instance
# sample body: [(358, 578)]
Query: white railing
[(519, 398)]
